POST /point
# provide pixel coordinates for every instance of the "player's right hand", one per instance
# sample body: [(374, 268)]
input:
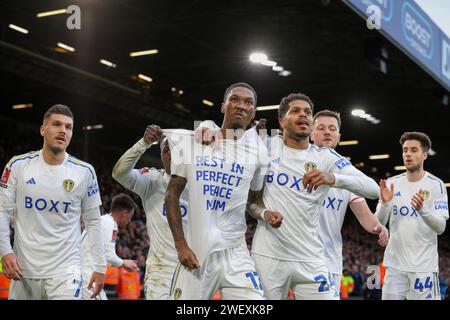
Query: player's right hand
[(152, 134), (273, 218), (188, 258), (386, 193), (12, 268), (98, 279), (383, 234), (130, 265)]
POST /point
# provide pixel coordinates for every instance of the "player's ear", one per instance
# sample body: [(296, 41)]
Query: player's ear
[(425, 155), (42, 130), (282, 122), (222, 108), (339, 138)]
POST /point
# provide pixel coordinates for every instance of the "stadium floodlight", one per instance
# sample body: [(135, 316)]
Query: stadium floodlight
[(348, 143), (108, 63), (65, 46), (22, 106), (17, 28), (258, 57), (144, 77), (143, 53), (207, 102), (379, 157), (93, 127), (431, 152), (51, 13), (358, 112), (277, 68), (399, 168), (265, 108), (269, 63), (285, 73)]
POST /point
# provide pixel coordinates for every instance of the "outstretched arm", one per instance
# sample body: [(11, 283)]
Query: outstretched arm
[(123, 170)]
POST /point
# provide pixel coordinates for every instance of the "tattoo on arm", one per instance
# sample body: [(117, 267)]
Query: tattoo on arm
[(172, 202)]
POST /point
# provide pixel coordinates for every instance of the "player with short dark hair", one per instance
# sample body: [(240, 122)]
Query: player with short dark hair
[(417, 211), (47, 191)]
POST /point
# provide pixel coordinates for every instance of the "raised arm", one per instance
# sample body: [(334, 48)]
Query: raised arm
[(123, 170)]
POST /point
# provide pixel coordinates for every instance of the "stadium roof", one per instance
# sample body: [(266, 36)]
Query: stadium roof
[(203, 47)]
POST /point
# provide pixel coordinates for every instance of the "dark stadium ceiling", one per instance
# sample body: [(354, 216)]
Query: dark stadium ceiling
[(204, 46)]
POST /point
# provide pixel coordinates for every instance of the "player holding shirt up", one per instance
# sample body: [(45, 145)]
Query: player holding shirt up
[(417, 211), (151, 185), (298, 180), (325, 133), (48, 191), (213, 253)]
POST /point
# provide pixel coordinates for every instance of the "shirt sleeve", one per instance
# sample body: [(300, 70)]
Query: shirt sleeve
[(136, 180), (93, 224), (355, 198), (91, 198), (109, 238), (259, 176), (383, 211), (349, 178), (8, 186), (435, 214)]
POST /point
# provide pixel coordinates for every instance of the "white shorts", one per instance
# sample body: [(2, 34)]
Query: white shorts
[(337, 277), (59, 288), (308, 281), (232, 271), (88, 293), (157, 285), (401, 285)]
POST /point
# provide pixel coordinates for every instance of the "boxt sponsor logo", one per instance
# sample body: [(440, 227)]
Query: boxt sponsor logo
[(417, 31)]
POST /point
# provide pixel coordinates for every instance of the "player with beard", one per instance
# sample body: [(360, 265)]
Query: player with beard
[(417, 211), (299, 178)]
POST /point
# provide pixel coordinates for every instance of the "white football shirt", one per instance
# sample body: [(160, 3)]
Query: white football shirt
[(298, 237), (219, 179), (332, 214), (413, 246), (47, 202)]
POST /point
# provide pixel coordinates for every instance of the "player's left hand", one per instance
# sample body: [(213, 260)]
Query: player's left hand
[(417, 200), (314, 179), (99, 279), (383, 234)]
